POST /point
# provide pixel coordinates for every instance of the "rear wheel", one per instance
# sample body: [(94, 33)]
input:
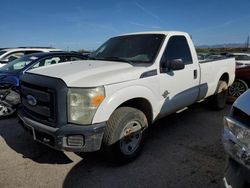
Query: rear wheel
[(237, 88), (219, 99), (124, 134)]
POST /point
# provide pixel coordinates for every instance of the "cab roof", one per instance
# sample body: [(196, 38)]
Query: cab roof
[(157, 32)]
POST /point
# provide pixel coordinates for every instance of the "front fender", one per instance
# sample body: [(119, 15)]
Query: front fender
[(14, 80), (113, 101)]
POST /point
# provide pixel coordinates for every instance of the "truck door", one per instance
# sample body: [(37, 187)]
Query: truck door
[(178, 88)]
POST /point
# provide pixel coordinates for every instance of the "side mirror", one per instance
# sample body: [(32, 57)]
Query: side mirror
[(175, 64)]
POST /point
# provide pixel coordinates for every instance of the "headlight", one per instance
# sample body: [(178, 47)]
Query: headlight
[(83, 103), (239, 132)]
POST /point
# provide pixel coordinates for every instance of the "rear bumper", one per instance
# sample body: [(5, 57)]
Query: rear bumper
[(68, 137)]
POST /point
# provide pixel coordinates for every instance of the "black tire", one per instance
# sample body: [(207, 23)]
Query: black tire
[(237, 88), (219, 99), (123, 140)]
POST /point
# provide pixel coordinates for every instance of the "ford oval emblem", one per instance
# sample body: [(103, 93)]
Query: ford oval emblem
[(31, 100)]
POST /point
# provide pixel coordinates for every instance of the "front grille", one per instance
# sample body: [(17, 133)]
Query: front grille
[(50, 107), (44, 110)]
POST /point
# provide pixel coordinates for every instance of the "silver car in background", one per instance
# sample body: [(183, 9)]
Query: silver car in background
[(236, 140)]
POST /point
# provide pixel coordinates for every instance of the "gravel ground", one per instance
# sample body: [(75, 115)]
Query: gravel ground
[(183, 150)]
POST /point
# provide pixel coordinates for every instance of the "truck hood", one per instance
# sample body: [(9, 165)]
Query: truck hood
[(91, 73), (242, 102)]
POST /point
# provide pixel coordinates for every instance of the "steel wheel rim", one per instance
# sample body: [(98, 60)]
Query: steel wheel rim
[(237, 89), (130, 137)]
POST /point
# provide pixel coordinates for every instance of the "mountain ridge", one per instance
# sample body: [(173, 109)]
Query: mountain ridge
[(226, 45)]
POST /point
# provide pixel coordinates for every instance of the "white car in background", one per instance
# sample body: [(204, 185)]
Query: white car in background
[(10, 54), (241, 58)]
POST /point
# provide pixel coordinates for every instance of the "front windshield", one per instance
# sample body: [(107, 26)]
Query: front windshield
[(18, 64), (141, 48)]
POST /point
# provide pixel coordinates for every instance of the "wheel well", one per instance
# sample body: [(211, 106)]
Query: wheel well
[(225, 77), (141, 104)]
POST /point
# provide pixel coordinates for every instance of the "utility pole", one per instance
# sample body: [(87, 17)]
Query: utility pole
[(247, 42)]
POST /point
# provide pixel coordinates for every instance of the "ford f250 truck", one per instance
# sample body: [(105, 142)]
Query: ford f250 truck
[(236, 141), (110, 100)]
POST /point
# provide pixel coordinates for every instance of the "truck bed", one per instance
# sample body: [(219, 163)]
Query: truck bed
[(212, 70)]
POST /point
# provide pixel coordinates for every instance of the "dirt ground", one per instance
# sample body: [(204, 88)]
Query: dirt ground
[(183, 150)]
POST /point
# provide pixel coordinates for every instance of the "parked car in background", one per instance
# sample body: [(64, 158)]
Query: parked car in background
[(9, 54), (242, 81), (241, 58), (10, 73), (214, 57), (202, 56), (128, 83), (236, 140)]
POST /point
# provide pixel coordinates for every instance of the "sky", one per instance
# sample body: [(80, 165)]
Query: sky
[(85, 24)]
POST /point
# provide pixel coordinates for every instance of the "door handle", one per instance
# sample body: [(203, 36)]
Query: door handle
[(195, 74)]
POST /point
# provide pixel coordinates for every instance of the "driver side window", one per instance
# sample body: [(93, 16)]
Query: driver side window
[(177, 48)]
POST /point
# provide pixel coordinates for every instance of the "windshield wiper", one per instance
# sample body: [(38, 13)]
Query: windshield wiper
[(113, 58)]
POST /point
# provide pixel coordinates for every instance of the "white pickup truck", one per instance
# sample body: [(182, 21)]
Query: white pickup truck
[(110, 100)]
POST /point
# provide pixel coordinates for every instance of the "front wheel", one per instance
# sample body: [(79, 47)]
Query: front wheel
[(124, 134)]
